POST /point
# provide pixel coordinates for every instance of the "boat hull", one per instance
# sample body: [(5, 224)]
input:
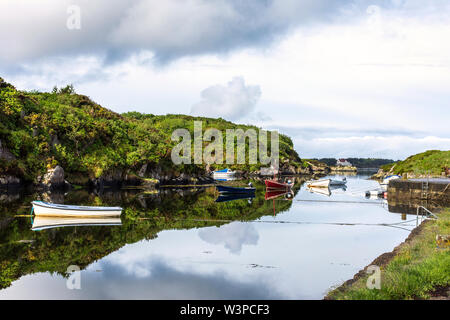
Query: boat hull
[(55, 210)]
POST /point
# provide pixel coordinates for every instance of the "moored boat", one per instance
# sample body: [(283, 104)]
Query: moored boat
[(41, 208), (322, 183), (223, 174), (325, 183)]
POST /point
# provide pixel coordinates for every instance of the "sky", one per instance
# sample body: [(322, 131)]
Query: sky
[(350, 78)]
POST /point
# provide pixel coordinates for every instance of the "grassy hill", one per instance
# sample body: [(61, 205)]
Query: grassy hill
[(432, 162), (39, 130)]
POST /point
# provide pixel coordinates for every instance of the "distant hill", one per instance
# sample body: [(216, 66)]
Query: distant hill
[(359, 162)]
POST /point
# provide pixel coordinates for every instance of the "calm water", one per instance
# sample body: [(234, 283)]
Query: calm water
[(184, 245)]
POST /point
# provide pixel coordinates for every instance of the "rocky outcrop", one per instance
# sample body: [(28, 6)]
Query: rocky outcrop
[(343, 169), (53, 179), (54, 176)]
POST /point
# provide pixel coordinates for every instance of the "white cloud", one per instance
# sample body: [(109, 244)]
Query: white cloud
[(233, 236), (392, 147), (232, 102)]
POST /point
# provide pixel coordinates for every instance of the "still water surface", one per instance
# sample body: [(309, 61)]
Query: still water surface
[(184, 245)]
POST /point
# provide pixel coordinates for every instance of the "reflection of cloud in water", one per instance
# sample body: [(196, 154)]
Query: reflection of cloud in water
[(160, 282), (233, 235)]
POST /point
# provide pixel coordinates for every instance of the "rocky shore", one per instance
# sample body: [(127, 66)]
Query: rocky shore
[(147, 177)]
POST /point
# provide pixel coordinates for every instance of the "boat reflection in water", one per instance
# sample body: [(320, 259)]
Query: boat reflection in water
[(43, 222), (235, 196), (279, 194)]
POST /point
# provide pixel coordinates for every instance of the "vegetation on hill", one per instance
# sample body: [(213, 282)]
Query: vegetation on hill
[(432, 162), (42, 130)]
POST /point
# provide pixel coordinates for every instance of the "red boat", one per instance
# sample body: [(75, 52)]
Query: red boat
[(272, 184)]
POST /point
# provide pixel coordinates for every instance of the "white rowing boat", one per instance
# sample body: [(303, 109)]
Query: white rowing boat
[(325, 183), (42, 222), (41, 208)]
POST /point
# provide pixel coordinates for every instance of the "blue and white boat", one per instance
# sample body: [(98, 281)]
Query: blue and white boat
[(386, 180), (223, 174)]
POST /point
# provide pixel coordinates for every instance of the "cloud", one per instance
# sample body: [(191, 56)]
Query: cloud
[(170, 29), (159, 281), (233, 236), (394, 146), (232, 102)]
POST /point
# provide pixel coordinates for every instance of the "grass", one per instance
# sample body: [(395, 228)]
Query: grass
[(430, 162), (418, 268)]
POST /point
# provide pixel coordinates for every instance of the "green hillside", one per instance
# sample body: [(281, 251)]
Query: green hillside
[(432, 162), (40, 130)]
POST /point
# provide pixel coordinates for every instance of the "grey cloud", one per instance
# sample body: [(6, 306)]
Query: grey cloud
[(170, 29), (114, 29), (232, 102)]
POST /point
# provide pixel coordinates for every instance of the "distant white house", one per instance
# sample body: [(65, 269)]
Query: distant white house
[(343, 163)]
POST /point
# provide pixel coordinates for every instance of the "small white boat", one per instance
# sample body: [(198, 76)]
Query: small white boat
[(386, 180), (374, 194), (325, 183), (223, 174), (41, 208), (42, 222), (322, 183), (389, 178)]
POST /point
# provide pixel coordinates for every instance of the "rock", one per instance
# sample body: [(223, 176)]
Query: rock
[(143, 170), (6, 154), (54, 177)]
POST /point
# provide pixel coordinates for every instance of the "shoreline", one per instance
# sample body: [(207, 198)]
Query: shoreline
[(350, 288)]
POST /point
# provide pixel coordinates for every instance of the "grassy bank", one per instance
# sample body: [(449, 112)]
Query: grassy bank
[(414, 270), (432, 162)]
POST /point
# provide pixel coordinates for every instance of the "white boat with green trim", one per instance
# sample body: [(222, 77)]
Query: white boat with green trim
[(41, 208)]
